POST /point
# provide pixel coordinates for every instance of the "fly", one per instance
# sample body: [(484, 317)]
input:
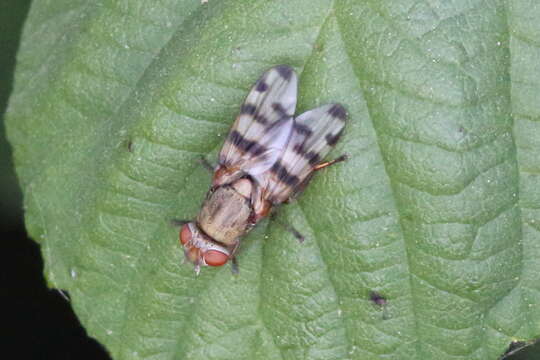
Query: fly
[(268, 157)]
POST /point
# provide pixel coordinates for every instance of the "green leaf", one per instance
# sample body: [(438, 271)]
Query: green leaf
[(424, 245)]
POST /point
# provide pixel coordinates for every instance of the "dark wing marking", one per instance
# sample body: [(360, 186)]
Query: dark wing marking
[(264, 126), (315, 132)]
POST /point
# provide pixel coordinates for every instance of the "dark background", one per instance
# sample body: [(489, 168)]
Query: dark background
[(40, 322), (37, 322)]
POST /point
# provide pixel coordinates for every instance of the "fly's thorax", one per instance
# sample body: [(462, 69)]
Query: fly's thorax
[(244, 187), (225, 215)]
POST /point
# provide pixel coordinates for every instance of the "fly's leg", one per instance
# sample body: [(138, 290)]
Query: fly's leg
[(206, 164), (178, 222), (317, 167), (301, 188), (234, 263), (331, 162), (234, 266), (289, 228), (293, 231)]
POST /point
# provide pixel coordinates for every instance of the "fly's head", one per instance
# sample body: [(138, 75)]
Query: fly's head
[(200, 249)]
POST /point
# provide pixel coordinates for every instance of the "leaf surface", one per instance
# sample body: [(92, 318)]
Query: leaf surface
[(424, 245)]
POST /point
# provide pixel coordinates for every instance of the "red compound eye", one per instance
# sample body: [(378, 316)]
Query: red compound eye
[(185, 234), (215, 258)]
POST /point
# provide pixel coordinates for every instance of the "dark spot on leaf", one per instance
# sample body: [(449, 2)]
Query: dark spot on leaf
[(377, 298), (129, 145), (380, 301)]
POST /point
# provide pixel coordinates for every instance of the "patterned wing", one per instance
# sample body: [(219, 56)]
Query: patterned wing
[(315, 132), (264, 126)]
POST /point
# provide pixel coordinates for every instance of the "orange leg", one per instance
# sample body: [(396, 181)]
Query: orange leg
[(331, 162), (299, 189)]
